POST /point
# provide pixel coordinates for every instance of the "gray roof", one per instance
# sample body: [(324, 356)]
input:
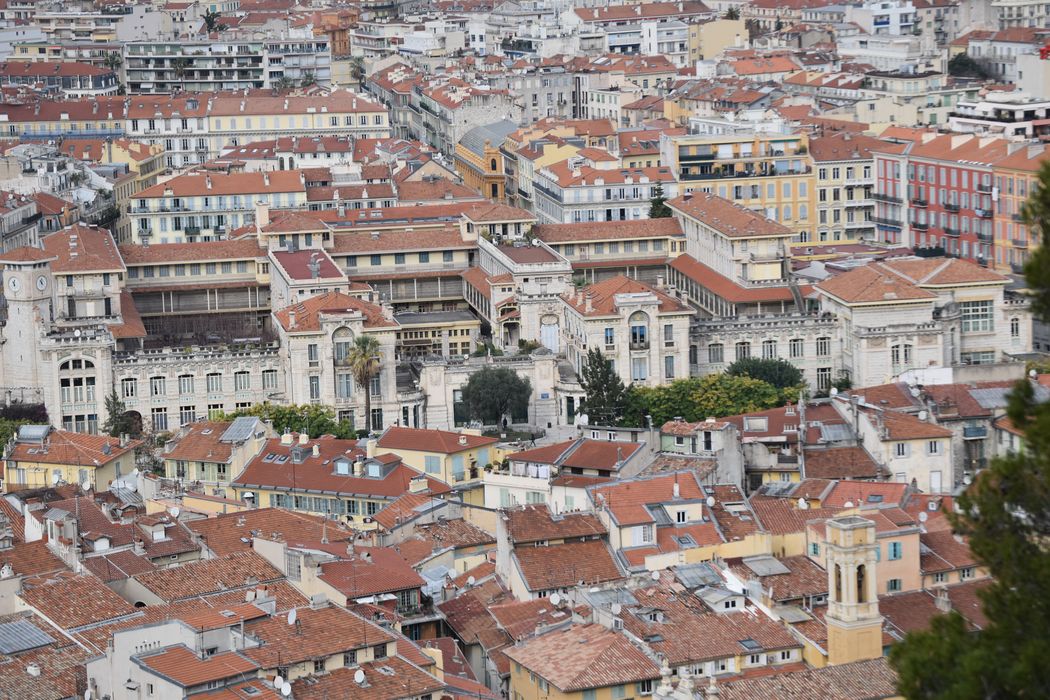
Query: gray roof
[(413, 317), (766, 565), (22, 635), (240, 430), (495, 133), (33, 433), (696, 575)]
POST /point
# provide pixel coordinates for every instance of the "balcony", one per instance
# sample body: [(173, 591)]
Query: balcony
[(919, 202), (984, 188), (975, 432), (882, 221), (983, 213), (642, 345), (881, 197), (1017, 217), (920, 225), (950, 206), (953, 232), (984, 237), (1019, 242)]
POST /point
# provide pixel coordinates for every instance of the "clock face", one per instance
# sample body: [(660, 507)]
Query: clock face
[(41, 283), (14, 284)]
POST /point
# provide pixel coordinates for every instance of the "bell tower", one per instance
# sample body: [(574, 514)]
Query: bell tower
[(27, 290), (853, 619)]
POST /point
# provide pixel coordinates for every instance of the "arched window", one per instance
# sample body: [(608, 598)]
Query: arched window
[(743, 350), (1015, 327), (838, 583), (861, 593), (342, 340), (493, 166), (639, 322)]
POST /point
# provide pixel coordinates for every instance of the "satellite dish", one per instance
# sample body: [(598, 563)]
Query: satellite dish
[(617, 609), (471, 580), (76, 333), (86, 485), (847, 504), (915, 392), (286, 689), (359, 676), (292, 616), (134, 473), (174, 510), (555, 599), (55, 478), (656, 575), (710, 501), (803, 504), (278, 681), (923, 517), (967, 480), (834, 391), (1032, 373)]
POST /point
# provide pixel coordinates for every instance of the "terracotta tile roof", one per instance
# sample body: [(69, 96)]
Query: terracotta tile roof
[(373, 570), (859, 492), (25, 254), (782, 516), (434, 190), (445, 237), (805, 579), (308, 313), (629, 501), (934, 272), (726, 217), (455, 533), (855, 681), (904, 426), (565, 565), (71, 601), (319, 473), (234, 571), (646, 10), (843, 146), (118, 566), (425, 440), (14, 518), (65, 447), (195, 184), (61, 673), (603, 295), (201, 443), (895, 396), (761, 66), (80, 248), (520, 619), (184, 668), (401, 510), (494, 211), (468, 613), (388, 679), (582, 453), (296, 264), (840, 463), (208, 251), (872, 285), (317, 634), (536, 523), (223, 534), (589, 656), (250, 690), (726, 288), (732, 512), (954, 401), (944, 551), (478, 573)]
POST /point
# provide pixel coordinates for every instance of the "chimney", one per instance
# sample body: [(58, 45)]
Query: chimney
[(304, 438), (462, 440), (286, 439), (266, 179), (262, 214), (291, 319), (588, 303), (943, 602), (359, 468), (418, 484), (317, 450), (370, 448)]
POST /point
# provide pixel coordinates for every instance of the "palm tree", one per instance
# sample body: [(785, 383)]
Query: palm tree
[(212, 23), (112, 60), (365, 363), (180, 66), (309, 79)]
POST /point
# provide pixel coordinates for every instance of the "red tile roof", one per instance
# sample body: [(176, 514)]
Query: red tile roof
[(316, 634), (726, 217), (602, 297), (560, 566), (308, 313), (296, 264), (234, 571), (373, 570), (184, 668), (726, 288), (536, 523), (627, 500), (73, 601), (224, 534), (424, 440), (65, 447)]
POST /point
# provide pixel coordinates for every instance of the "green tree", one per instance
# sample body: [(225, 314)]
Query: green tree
[(311, 419), (112, 60), (658, 208), (365, 364), (180, 66), (119, 421), (308, 79), (492, 393), (963, 65), (604, 392), (1006, 515), (213, 23), (732, 13), (778, 372), (698, 398), (8, 428)]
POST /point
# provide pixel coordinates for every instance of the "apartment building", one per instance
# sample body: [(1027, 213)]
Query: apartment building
[(1016, 177), (769, 174), (570, 191), (200, 66), (200, 206), (845, 182), (444, 111), (52, 119)]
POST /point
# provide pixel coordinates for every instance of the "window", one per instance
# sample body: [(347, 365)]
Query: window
[(129, 388), (187, 414), (157, 386), (269, 379), (379, 651), (681, 516), (241, 381), (814, 549), (769, 349), (966, 574), (433, 464), (668, 335), (901, 449), (610, 336), (315, 388), (895, 551), (214, 381), (743, 350), (185, 384), (312, 355), (823, 346), (160, 419), (1015, 327), (976, 316), (894, 585), (933, 447), (645, 687), (639, 330), (669, 367), (795, 348), (214, 411), (639, 368), (715, 353), (940, 577)]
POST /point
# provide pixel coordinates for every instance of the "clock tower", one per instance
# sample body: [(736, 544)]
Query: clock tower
[(27, 288)]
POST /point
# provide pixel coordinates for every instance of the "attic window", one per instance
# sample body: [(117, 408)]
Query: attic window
[(875, 498), (750, 644), (756, 424)]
